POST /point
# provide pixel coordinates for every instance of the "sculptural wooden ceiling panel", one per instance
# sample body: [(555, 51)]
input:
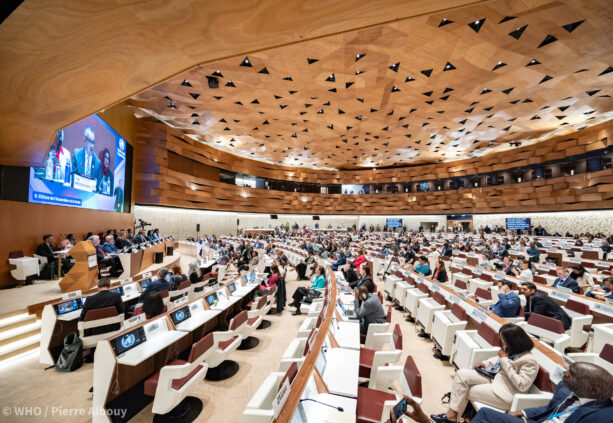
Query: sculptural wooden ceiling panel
[(430, 89)]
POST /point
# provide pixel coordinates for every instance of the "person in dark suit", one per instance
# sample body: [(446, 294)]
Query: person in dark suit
[(539, 303), (566, 281), (350, 274), (163, 283), (140, 237), (84, 160), (581, 383), (102, 299), (440, 274), (46, 250), (365, 280), (118, 193), (342, 260)]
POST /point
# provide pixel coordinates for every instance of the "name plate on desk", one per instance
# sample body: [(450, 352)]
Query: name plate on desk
[(92, 261), (133, 321), (72, 294), (281, 398), (478, 315), (146, 275), (419, 279), (434, 287), (180, 301), (458, 266), (573, 260), (126, 280), (462, 296), (603, 308), (483, 308), (565, 290), (453, 299), (477, 271), (560, 295), (605, 264)]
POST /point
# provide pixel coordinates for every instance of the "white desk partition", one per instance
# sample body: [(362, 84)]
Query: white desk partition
[(346, 334), (341, 371), (199, 316)]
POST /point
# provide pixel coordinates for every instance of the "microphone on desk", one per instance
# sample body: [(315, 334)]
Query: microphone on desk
[(323, 403)]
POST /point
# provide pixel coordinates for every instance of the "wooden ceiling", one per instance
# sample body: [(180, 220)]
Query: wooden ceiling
[(439, 87), (63, 60)]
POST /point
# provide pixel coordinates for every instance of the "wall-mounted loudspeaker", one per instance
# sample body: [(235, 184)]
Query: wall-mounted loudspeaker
[(197, 227), (274, 216)]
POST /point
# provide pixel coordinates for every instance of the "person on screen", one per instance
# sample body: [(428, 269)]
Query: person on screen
[(84, 161), (62, 159), (105, 181), (118, 193)]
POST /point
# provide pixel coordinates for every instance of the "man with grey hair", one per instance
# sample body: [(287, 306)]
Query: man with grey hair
[(102, 299), (84, 160), (109, 245), (106, 260)]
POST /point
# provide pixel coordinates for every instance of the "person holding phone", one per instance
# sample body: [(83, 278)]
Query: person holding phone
[(495, 381)]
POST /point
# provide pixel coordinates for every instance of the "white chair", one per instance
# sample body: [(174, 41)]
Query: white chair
[(371, 360), (538, 394), (375, 402), (581, 318), (293, 354), (426, 307), (400, 290), (444, 327), (474, 346), (261, 309), (476, 283), (604, 359), (412, 297), (549, 330), (260, 408), (171, 384), (42, 260), (95, 319), (223, 344), (603, 334), (377, 334), (390, 284)]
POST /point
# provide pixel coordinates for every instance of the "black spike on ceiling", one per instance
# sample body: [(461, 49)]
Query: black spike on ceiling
[(264, 70), (194, 95), (533, 62), (331, 78), (246, 62), (572, 26), (448, 67), (507, 18), (476, 25), (359, 56), (394, 67), (518, 32), (548, 40), (591, 93), (427, 72), (348, 84), (545, 79), (444, 22), (606, 71), (409, 79), (499, 65), (508, 90), (311, 61), (186, 83)]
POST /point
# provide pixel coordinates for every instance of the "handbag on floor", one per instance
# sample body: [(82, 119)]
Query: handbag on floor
[(312, 295)]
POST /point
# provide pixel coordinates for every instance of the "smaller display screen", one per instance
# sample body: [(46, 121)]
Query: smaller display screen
[(231, 288), (144, 283), (180, 315), (393, 223), (518, 223), (211, 298), (252, 276), (245, 279), (68, 306), (118, 290), (128, 341)]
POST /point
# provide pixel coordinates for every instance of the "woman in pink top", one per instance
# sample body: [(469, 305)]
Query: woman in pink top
[(263, 289), (361, 259)]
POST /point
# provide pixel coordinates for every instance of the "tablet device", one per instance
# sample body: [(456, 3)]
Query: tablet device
[(400, 408), (485, 373)]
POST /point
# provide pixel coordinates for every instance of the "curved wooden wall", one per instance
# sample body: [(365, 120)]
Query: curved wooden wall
[(157, 139)]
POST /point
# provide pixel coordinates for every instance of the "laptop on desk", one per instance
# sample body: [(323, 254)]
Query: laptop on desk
[(348, 313)]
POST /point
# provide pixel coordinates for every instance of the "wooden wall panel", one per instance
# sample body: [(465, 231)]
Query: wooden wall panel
[(23, 225)]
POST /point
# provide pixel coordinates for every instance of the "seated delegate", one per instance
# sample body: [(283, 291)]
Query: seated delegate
[(440, 273), (301, 267), (102, 299), (162, 283), (319, 282), (342, 260), (368, 308), (605, 292), (113, 262), (566, 281), (539, 303), (508, 301), (512, 371), (273, 279), (364, 280), (422, 267)]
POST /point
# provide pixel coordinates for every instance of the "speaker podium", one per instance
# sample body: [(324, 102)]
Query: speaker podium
[(84, 274)]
